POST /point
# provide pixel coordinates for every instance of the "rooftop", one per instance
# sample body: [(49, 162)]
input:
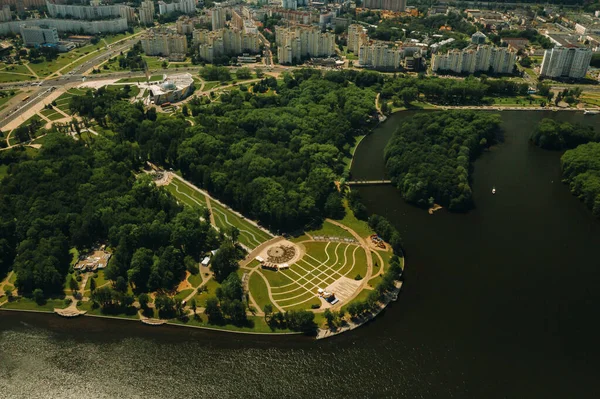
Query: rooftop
[(172, 82)]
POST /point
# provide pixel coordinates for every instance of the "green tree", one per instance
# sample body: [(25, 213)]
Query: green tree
[(38, 296), (268, 311), (143, 300), (213, 311), (193, 306), (330, 317), (73, 286), (225, 261)]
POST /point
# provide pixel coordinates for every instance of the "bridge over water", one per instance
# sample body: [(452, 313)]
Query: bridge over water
[(368, 182)]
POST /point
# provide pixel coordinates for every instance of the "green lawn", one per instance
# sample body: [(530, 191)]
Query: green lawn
[(277, 279), (209, 291), (87, 306), (258, 289), (5, 95), (195, 279), (250, 235), (29, 304), (186, 195), (133, 90), (259, 325), (305, 305), (9, 77), (63, 102), (330, 230), (210, 85), (361, 227), (74, 256), (362, 296), (183, 294), (154, 63), (100, 281), (55, 116), (13, 278), (138, 79), (66, 286), (352, 150)]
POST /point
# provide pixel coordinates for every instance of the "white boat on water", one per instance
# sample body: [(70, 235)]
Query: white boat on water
[(493, 190), (588, 112)]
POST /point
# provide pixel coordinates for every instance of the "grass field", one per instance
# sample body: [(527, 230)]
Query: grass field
[(183, 294), (155, 63), (14, 73), (259, 290), (63, 102), (210, 85), (100, 281), (133, 90), (186, 195), (352, 150), (209, 290), (257, 324), (361, 227), (29, 304), (250, 235), (5, 95), (195, 279), (330, 230)]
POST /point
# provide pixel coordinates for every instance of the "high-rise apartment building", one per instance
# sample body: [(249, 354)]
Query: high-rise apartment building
[(391, 5), (379, 55), (147, 13), (302, 41), (5, 14), (357, 34), (225, 42), (69, 25), (91, 12), (184, 6), (37, 35), (289, 4), (218, 18), (571, 62), (24, 3), (185, 25), (470, 60), (163, 42)]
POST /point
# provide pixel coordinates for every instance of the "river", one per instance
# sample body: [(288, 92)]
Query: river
[(500, 302)]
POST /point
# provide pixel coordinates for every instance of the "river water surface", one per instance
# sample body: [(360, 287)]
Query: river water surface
[(501, 302)]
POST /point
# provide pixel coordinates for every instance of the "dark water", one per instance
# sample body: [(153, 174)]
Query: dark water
[(499, 303)]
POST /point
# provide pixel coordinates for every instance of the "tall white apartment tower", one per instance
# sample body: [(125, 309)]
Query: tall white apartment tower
[(147, 12), (571, 62), (218, 18)]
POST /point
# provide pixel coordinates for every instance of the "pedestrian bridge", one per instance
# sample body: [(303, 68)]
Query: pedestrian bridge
[(368, 182)]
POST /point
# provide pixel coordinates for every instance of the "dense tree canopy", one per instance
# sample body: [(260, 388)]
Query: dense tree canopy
[(429, 156), (553, 135), (273, 157), (71, 195), (471, 90), (581, 169)]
